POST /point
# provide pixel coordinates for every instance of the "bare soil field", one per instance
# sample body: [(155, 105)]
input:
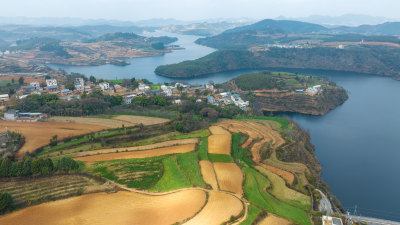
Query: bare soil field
[(274, 220), (115, 122), (38, 134), (287, 176), (208, 173), (142, 148), (218, 130), (119, 208), (220, 207), (138, 154), (220, 141), (230, 177)]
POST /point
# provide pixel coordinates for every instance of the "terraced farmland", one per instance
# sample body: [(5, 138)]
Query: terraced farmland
[(29, 191)]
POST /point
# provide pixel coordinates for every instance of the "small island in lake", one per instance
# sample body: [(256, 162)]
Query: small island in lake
[(287, 92)]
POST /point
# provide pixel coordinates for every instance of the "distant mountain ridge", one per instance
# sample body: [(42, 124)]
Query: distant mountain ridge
[(282, 26)]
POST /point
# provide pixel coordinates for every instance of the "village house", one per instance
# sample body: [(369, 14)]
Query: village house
[(79, 84), (51, 84), (127, 99), (314, 90), (11, 114), (166, 90), (104, 86), (35, 85), (211, 100)]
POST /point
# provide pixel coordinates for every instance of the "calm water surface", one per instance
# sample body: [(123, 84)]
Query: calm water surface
[(358, 143)]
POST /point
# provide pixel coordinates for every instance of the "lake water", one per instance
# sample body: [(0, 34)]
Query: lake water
[(144, 67), (358, 143)]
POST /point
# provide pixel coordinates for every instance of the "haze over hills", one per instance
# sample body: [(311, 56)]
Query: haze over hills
[(343, 20)]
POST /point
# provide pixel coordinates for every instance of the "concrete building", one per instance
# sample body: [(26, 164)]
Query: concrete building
[(34, 85), (143, 87), (128, 99), (104, 86), (11, 114), (79, 84), (327, 220)]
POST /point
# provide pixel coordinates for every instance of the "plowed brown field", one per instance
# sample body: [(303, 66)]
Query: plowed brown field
[(229, 177), (220, 141), (274, 220), (139, 154), (122, 208), (207, 171), (38, 134), (144, 147), (220, 207), (115, 122)]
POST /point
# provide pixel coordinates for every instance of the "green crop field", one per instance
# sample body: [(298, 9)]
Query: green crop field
[(172, 178), (255, 187), (220, 158), (135, 173), (238, 153), (203, 148), (189, 164)]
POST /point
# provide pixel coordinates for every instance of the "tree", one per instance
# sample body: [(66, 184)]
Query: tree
[(158, 100), (210, 113), (5, 167), (115, 100), (6, 202), (70, 86), (92, 79), (141, 100), (21, 80), (53, 140), (126, 83)]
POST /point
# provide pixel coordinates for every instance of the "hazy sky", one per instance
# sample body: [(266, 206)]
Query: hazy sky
[(196, 9)]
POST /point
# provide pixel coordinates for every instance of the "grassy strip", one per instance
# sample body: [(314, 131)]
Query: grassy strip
[(251, 215), (85, 139), (203, 148), (201, 134), (238, 153), (284, 122), (220, 158), (188, 162), (173, 178), (255, 186)]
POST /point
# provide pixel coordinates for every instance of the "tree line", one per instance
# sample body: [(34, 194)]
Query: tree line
[(29, 167)]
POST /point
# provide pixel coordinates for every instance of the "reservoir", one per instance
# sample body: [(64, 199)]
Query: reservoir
[(358, 143)]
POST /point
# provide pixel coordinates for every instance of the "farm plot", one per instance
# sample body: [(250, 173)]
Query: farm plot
[(30, 191), (134, 173), (255, 187), (123, 208), (138, 154), (173, 178), (189, 164), (113, 122), (283, 193), (261, 132), (274, 220), (141, 148), (229, 177), (38, 134), (220, 141), (219, 209), (208, 173)]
